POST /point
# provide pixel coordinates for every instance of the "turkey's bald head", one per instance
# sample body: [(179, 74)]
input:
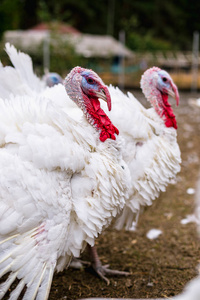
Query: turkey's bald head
[(85, 88), (157, 85)]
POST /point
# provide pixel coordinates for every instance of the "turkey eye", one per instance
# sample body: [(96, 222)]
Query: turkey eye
[(90, 80), (164, 79)]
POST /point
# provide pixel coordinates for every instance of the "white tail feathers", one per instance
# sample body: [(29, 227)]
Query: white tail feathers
[(6, 285), (17, 291), (20, 257), (24, 67)]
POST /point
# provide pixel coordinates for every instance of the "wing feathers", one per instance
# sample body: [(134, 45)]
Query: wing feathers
[(6, 285), (24, 260), (45, 287), (34, 284), (17, 291)]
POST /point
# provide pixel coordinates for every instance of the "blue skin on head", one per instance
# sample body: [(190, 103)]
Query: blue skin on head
[(88, 81), (164, 81), (55, 78)]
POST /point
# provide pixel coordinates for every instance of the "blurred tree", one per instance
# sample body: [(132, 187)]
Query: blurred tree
[(43, 13), (10, 14), (149, 24), (29, 13)]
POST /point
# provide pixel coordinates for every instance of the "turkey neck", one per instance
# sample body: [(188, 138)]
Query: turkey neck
[(90, 105), (158, 100)]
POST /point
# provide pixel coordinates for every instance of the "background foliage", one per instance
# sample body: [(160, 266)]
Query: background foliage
[(149, 24)]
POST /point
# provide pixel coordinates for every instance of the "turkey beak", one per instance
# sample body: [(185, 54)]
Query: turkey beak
[(104, 95), (174, 93)]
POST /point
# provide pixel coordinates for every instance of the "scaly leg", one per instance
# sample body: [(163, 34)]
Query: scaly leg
[(100, 269)]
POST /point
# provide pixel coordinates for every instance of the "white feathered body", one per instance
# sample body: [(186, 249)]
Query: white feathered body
[(59, 187), (151, 152)]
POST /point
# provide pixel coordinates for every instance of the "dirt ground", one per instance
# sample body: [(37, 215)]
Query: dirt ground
[(160, 267)]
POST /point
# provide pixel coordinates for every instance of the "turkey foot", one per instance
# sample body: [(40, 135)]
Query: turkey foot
[(100, 269)]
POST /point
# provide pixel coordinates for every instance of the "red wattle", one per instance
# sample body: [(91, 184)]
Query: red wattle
[(96, 104), (170, 119), (102, 122)]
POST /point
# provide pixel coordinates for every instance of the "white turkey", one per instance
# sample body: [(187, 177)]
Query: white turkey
[(31, 85), (151, 149), (61, 182)]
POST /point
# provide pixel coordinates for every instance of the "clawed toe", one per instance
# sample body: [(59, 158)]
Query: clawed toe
[(104, 270)]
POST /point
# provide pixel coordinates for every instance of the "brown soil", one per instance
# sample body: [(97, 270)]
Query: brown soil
[(161, 267)]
